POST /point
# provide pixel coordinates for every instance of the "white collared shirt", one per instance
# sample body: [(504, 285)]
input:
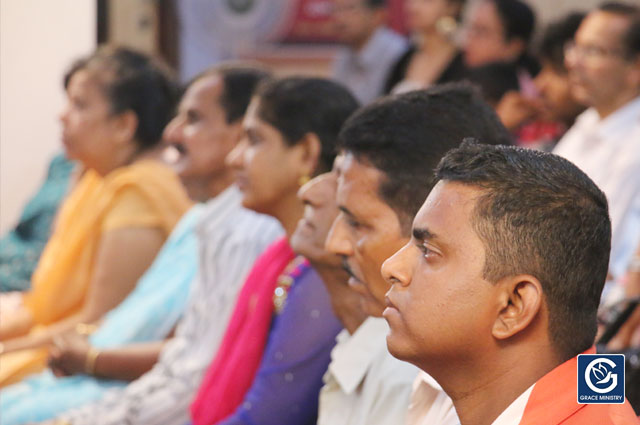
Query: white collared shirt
[(365, 72), (365, 384), (608, 151), (512, 415), (430, 405), (230, 238)]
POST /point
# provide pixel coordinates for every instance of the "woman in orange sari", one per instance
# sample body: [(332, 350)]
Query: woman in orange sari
[(116, 218)]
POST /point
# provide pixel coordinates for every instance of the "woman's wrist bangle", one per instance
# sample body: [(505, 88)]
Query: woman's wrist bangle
[(90, 361)]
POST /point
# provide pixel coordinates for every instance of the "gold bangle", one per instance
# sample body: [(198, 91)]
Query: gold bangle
[(90, 360)]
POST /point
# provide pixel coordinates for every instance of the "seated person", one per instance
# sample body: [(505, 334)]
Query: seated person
[(388, 146), (294, 123), (290, 129), (114, 222), (604, 74), (539, 119), (20, 248), (433, 56), (192, 270), (369, 49), (500, 31), (497, 291)]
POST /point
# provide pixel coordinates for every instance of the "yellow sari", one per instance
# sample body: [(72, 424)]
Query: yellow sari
[(144, 194)]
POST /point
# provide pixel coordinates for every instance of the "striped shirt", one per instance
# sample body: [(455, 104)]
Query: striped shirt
[(230, 239)]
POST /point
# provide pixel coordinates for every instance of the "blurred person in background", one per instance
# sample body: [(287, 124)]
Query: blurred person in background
[(604, 74), (21, 247), (499, 32), (115, 221), (370, 49), (433, 56), (192, 282), (539, 121)]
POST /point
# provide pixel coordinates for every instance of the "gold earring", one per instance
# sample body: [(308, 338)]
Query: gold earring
[(303, 180)]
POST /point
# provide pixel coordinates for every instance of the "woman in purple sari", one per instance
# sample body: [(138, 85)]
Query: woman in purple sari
[(269, 367)]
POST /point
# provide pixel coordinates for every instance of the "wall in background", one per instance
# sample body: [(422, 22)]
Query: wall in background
[(38, 41)]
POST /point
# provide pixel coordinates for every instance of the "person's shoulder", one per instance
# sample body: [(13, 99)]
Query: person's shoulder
[(604, 414)]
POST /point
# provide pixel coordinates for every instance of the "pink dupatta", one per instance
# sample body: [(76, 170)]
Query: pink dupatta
[(232, 371)]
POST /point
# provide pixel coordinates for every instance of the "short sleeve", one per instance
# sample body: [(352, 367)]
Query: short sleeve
[(130, 209)]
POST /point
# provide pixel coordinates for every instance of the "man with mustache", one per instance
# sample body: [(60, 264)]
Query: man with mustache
[(390, 149)]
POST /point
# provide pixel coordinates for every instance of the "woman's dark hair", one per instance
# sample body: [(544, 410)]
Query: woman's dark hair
[(518, 19), (296, 106), (133, 81)]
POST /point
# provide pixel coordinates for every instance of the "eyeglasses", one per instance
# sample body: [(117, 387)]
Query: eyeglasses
[(591, 51)]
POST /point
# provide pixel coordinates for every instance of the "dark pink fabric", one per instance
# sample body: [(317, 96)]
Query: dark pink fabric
[(233, 369)]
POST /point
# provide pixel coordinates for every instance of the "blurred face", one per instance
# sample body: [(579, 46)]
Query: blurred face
[(440, 306), (599, 73), (366, 232), (320, 209), (267, 169), (353, 21), (88, 127), (422, 15), (558, 104), (485, 40), (200, 132)]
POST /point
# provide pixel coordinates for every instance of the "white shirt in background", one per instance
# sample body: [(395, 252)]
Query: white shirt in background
[(365, 385), (608, 151), (365, 72)]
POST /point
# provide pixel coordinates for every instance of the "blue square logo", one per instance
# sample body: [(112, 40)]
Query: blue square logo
[(601, 378)]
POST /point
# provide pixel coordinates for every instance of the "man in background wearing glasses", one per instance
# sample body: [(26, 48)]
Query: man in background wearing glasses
[(604, 73)]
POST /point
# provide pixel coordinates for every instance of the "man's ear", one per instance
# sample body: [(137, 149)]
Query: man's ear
[(310, 149), (519, 301)]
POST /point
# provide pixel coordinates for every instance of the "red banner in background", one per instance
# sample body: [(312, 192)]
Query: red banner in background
[(311, 22)]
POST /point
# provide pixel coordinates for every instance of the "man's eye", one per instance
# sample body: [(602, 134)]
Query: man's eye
[(426, 251), (352, 222)]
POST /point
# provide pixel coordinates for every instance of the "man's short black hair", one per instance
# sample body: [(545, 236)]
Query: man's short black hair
[(631, 39), (405, 136), (540, 215), (296, 106), (555, 38), (133, 81), (239, 82), (518, 19)]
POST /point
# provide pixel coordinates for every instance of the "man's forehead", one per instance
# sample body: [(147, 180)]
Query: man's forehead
[(603, 26), (201, 91), (446, 200), (355, 174)]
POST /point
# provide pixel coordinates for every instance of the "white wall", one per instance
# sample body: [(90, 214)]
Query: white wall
[(38, 41)]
